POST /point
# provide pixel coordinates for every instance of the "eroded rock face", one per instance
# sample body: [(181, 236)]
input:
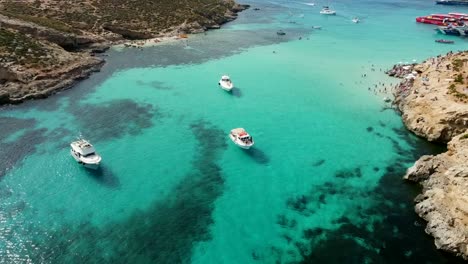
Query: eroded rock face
[(444, 201), (35, 83), (63, 39), (434, 107)]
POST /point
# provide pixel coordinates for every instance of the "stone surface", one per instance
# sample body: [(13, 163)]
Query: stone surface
[(433, 110), (428, 107)]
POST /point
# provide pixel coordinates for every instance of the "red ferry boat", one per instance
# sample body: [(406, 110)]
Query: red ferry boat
[(437, 19), (461, 16), (458, 15)]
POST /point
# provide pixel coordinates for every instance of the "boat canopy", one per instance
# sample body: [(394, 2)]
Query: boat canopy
[(239, 131), (83, 147)]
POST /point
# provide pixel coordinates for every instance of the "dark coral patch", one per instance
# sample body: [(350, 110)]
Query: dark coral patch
[(298, 204), (349, 173), (164, 233), (155, 84), (10, 125), (14, 152), (115, 119), (318, 163), (313, 233)]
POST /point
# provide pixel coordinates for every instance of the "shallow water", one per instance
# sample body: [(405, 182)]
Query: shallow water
[(322, 184)]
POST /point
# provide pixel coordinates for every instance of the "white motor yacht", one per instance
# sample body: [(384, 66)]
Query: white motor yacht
[(356, 20), (226, 83), (84, 153), (241, 138), (327, 11)]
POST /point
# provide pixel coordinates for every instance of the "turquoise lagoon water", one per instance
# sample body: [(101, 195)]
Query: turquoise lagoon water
[(322, 184)]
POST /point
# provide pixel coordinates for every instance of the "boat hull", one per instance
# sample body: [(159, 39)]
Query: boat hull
[(449, 2), (430, 21), (226, 87), (451, 32), (445, 41)]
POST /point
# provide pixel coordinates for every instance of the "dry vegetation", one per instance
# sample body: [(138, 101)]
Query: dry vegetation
[(459, 86), (94, 15), (18, 48)]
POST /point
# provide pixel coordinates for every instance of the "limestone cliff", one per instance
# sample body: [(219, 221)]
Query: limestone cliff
[(434, 105), (433, 100), (444, 201)]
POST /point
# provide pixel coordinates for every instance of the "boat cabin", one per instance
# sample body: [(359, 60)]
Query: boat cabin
[(83, 148)]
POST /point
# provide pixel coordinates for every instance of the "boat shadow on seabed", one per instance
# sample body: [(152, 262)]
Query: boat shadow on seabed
[(236, 92), (104, 176), (257, 155)]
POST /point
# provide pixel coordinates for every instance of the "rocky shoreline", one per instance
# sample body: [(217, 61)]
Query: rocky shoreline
[(43, 50), (433, 100)]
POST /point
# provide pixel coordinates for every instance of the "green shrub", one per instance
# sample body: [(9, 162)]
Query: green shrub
[(459, 78)]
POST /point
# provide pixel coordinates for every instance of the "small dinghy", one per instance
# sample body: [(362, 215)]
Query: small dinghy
[(280, 33), (225, 83), (356, 20), (445, 41), (241, 138), (84, 153)]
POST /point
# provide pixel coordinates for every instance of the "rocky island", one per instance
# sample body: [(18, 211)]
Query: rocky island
[(433, 100), (47, 45)]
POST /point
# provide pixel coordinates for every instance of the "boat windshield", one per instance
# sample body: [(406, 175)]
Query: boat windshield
[(246, 139), (89, 154)]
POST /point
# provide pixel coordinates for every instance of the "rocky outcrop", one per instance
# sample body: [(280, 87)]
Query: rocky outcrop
[(434, 105), (27, 84), (66, 40), (429, 108), (444, 201)]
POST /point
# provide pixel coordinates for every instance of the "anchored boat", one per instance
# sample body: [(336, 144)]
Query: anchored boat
[(84, 153), (452, 2), (454, 30), (241, 138), (437, 19), (225, 83), (327, 11), (445, 41)]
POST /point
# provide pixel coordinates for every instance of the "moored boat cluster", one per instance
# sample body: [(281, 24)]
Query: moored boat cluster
[(454, 24)]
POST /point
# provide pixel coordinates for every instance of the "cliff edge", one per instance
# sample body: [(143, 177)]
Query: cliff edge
[(433, 100)]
